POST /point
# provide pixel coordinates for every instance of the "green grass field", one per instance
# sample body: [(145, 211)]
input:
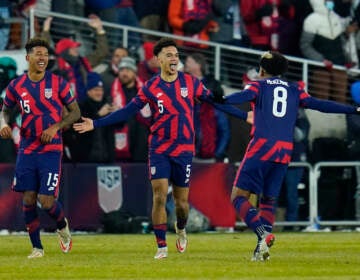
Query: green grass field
[(334, 255)]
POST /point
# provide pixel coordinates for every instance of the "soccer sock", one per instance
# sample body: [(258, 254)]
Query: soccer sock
[(32, 223), (57, 213), (267, 212), (249, 215), (160, 234), (181, 223)]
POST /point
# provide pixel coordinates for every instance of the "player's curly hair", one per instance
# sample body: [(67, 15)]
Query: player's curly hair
[(163, 43), (274, 63), (36, 42)]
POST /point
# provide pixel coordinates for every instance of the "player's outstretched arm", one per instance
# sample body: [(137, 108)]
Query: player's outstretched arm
[(5, 130), (84, 126)]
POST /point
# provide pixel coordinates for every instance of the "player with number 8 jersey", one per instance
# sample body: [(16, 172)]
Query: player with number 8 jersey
[(275, 103)]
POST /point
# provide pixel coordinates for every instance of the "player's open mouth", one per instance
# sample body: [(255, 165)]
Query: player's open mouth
[(173, 66), (41, 64)]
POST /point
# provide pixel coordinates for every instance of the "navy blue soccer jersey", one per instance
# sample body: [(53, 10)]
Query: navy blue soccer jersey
[(275, 103), (41, 106), (172, 108)]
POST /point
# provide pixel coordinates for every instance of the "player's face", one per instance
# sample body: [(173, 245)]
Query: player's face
[(38, 59), (169, 60)]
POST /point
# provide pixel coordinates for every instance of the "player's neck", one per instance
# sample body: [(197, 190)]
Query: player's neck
[(36, 76), (168, 78)]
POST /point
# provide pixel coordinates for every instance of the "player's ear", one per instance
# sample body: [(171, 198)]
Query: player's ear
[(27, 57)]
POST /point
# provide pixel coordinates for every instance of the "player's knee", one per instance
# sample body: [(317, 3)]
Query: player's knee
[(159, 199), (29, 198), (181, 203), (46, 201)]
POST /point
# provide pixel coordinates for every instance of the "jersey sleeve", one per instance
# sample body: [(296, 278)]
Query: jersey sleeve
[(10, 100), (118, 116), (201, 92), (250, 92), (66, 94), (327, 106)]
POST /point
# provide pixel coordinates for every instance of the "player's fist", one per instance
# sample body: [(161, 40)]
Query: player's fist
[(5, 132)]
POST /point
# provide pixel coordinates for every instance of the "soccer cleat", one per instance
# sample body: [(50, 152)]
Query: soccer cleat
[(36, 253), (181, 241), (161, 253), (65, 238), (261, 252)]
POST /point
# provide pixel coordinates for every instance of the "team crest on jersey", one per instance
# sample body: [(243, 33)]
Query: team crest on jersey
[(48, 93), (184, 92), (153, 170)]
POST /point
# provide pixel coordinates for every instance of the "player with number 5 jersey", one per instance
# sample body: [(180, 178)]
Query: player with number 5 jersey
[(275, 102), (171, 96), (41, 97)]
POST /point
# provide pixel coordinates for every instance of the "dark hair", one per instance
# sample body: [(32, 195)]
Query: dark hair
[(274, 63), (163, 43), (36, 42), (200, 59)]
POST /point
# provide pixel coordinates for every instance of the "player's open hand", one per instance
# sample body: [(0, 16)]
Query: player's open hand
[(5, 132), (86, 125)]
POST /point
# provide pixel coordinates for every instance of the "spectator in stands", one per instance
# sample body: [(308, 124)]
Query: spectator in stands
[(294, 175), (5, 28), (68, 7), (148, 67), (321, 40), (152, 15), (212, 127), (231, 32), (71, 64), (109, 71), (118, 12), (269, 23), (131, 139), (98, 146), (231, 26), (193, 19)]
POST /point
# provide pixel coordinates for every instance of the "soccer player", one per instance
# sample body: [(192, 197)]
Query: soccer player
[(171, 96), (41, 96), (275, 104)]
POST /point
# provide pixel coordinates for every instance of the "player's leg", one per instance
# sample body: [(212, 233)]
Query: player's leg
[(249, 179), (180, 176), (49, 170), (32, 223), (26, 181), (181, 199), (159, 217), (159, 170)]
